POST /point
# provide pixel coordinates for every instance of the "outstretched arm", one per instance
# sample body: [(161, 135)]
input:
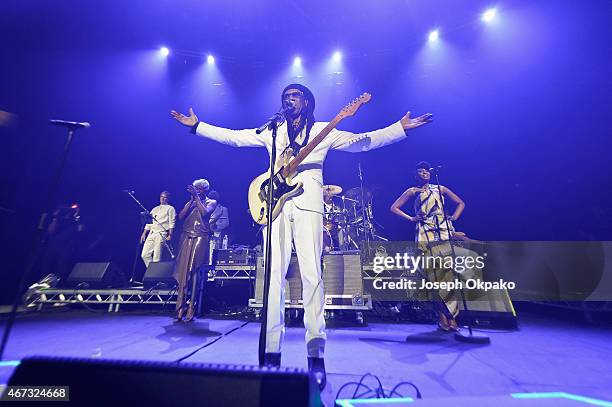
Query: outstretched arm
[(355, 143), (235, 138), (455, 198)]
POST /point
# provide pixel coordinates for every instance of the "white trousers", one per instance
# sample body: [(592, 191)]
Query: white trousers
[(152, 248), (305, 228)]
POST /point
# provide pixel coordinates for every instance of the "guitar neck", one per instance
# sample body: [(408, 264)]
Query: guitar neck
[(292, 166)]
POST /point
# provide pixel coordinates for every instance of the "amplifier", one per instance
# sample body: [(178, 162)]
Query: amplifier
[(238, 256), (386, 249), (342, 282)]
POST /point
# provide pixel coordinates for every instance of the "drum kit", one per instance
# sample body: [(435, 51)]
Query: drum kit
[(347, 218)]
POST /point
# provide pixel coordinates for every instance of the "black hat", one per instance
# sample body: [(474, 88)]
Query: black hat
[(423, 165), (307, 94)]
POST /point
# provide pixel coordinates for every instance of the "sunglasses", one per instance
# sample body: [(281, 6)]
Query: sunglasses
[(293, 95)]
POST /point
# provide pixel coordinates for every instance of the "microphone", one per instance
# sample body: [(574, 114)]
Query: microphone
[(279, 117), (70, 125), (129, 191)]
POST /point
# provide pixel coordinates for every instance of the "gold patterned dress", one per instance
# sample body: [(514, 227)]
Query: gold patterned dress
[(433, 227), (193, 254), (433, 234)]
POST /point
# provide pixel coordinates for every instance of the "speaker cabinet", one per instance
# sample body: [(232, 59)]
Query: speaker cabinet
[(119, 382), (159, 275), (96, 275)]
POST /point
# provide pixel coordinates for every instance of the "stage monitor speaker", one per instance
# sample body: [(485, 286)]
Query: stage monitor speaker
[(118, 382), (159, 275), (490, 309), (96, 275)]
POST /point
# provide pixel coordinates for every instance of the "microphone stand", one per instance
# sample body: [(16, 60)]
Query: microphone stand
[(148, 215), (271, 124), (364, 223), (471, 338), (37, 239), (143, 221)]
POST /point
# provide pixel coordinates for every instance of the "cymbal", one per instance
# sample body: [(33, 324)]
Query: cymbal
[(355, 194), (332, 189)]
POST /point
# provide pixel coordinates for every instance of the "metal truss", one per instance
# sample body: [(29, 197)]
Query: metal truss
[(233, 272), (111, 297)]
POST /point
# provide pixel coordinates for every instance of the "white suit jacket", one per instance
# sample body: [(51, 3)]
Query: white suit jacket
[(310, 171)]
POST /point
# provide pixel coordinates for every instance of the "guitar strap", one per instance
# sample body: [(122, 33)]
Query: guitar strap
[(293, 135)]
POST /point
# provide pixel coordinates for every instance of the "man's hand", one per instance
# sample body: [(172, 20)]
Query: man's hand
[(408, 123), (191, 189), (169, 237), (143, 237), (188, 121)]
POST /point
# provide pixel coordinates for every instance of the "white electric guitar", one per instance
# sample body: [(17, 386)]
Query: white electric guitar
[(282, 187)]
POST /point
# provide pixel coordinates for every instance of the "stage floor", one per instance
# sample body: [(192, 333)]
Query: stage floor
[(543, 356)]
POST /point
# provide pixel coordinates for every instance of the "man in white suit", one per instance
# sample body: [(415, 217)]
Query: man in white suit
[(301, 218), (160, 229)]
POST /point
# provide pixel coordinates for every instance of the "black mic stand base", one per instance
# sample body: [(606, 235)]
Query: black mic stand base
[(472, 338)]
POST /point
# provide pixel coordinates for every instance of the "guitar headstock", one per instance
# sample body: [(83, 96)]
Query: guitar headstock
[(352, 107)]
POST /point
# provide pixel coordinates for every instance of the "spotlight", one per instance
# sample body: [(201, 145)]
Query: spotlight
[(210, 59), (297, 61), (337, 57), (489, 15), (434, 36), (164, 51)]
